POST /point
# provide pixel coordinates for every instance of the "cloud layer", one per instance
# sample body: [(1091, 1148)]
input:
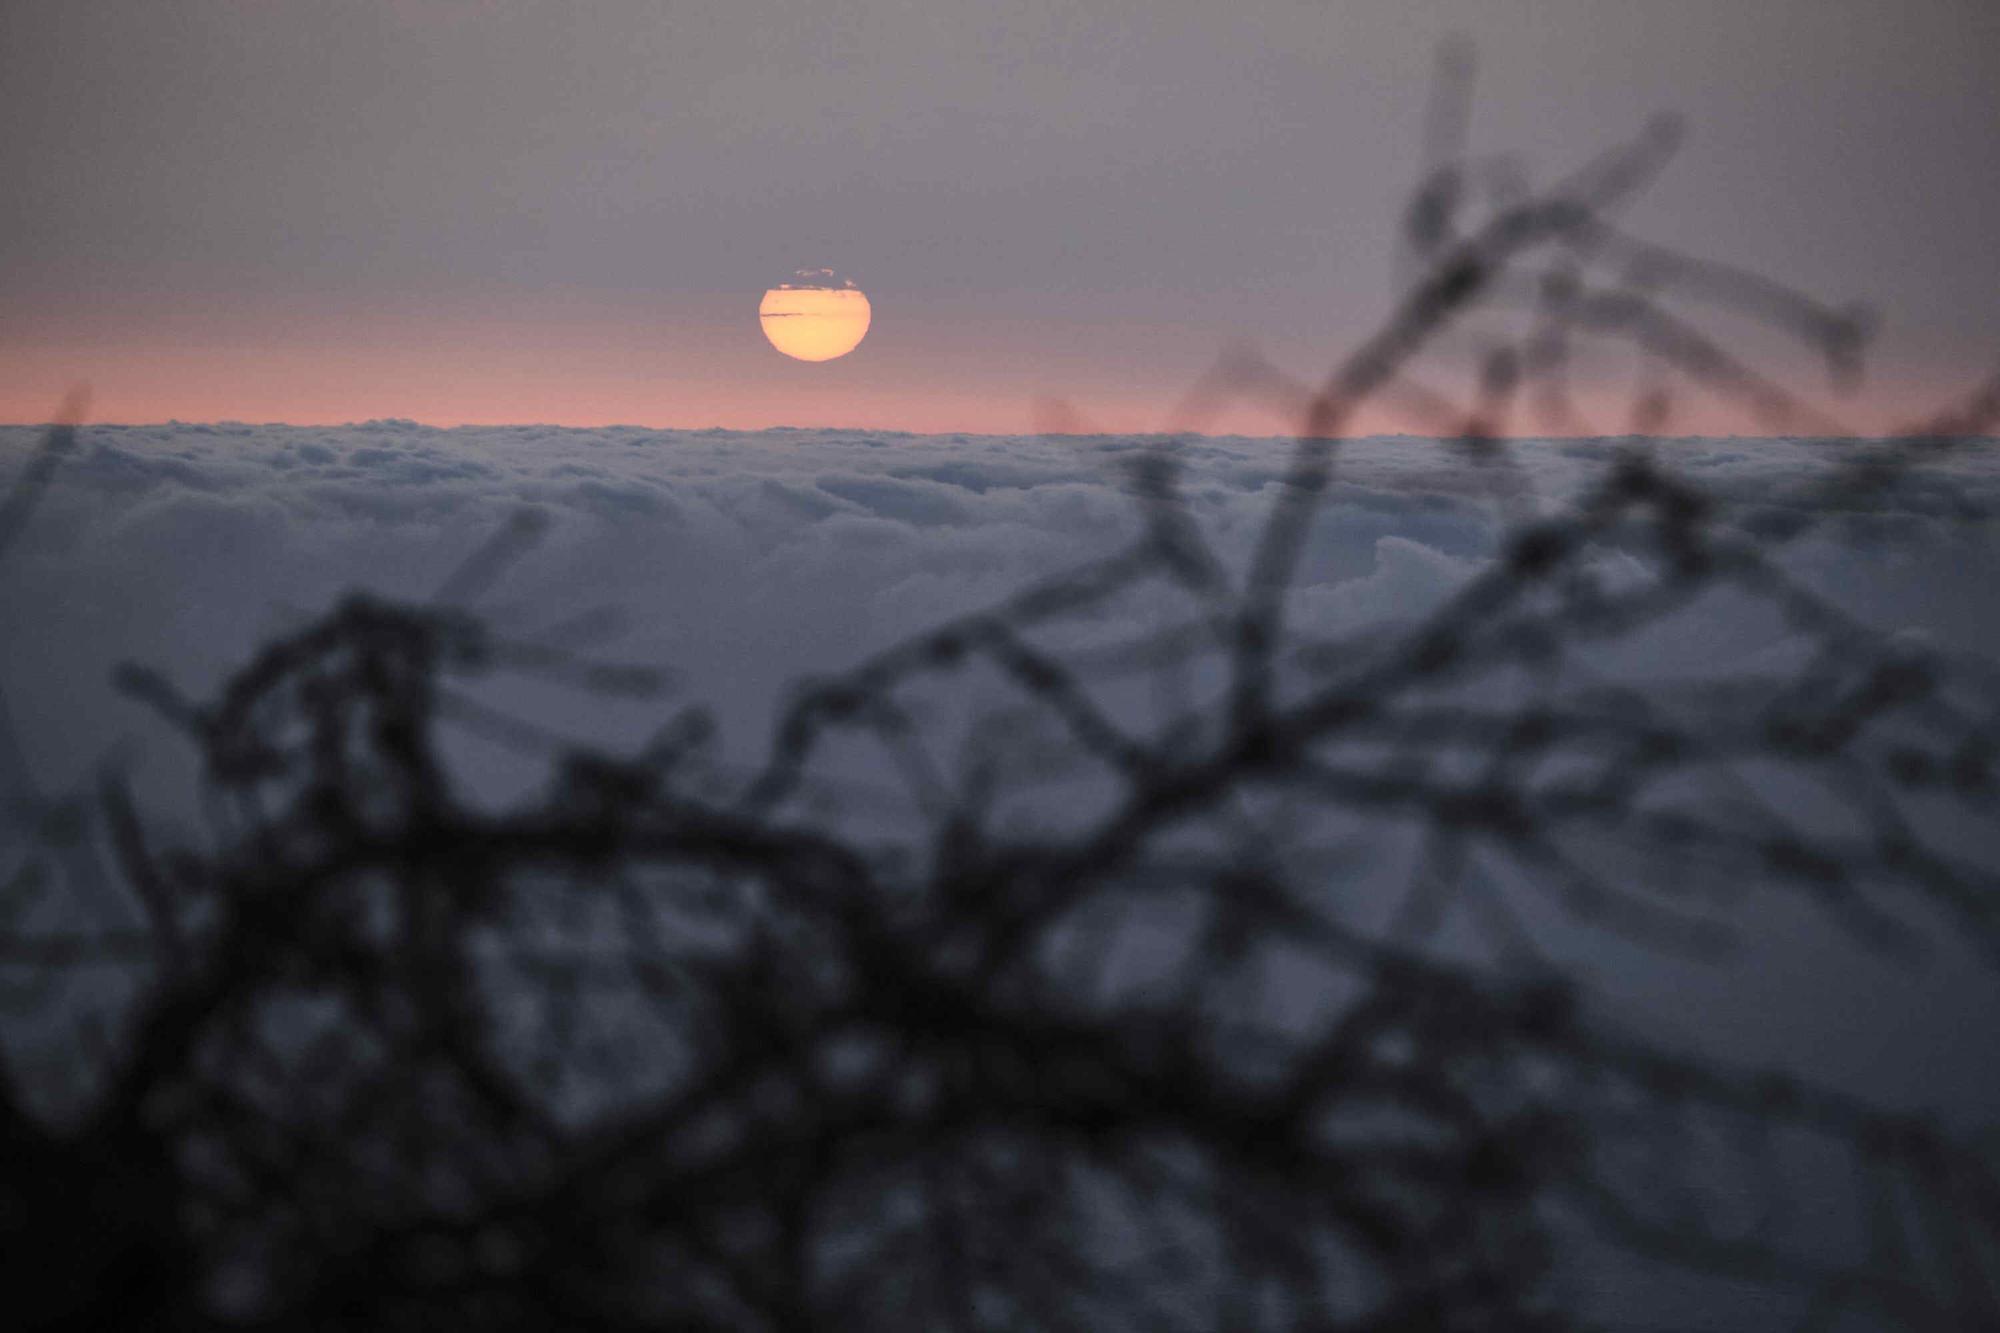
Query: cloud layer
[(745, 561)]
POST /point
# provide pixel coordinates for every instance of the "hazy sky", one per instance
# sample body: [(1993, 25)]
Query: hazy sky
[(488, 211)]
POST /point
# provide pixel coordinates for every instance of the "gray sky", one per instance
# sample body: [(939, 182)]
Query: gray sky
[(508, 210)]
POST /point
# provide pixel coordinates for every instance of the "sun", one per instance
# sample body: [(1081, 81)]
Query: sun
[(817, 316)]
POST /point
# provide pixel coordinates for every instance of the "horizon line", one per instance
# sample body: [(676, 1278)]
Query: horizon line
[(412, 423)]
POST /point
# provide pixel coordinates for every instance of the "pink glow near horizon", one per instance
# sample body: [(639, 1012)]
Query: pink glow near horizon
[(165, 384), (568, 364)]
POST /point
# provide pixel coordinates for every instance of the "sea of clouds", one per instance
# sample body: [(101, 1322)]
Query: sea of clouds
[(746, 561), (743, 563)]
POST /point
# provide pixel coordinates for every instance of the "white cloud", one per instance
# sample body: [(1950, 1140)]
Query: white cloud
[(745, 561)]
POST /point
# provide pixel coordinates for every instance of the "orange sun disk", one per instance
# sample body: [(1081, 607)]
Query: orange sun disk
[(814, 323)]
